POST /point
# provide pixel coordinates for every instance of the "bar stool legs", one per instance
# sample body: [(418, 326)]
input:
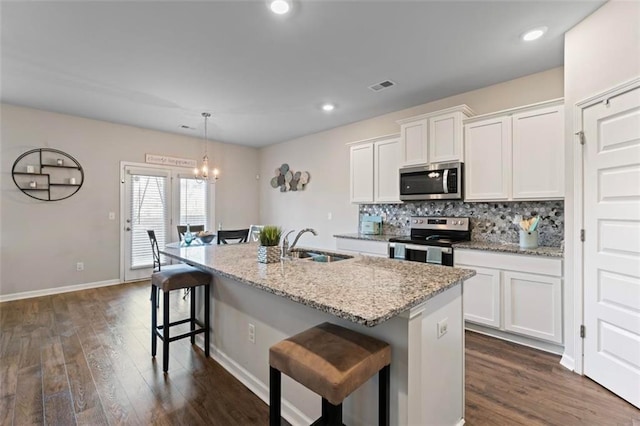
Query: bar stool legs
[(275, 379), (331, 414), (162, 331), (384, 396)]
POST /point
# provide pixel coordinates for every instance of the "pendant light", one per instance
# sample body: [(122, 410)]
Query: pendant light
[(202, 173)]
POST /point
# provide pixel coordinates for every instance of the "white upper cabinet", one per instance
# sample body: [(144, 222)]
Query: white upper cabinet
[(488, 154), (413, 145), (516, 154), (386, 163), (446, 136), (374, 166), (362, 173), (538, 153), (433, 138)]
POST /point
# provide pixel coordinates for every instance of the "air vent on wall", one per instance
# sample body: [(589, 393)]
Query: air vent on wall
[(382, 85)]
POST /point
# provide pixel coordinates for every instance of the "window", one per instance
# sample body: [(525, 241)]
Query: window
[(193, 202)]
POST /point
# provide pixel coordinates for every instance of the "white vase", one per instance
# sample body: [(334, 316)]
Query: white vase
[(268, 254)]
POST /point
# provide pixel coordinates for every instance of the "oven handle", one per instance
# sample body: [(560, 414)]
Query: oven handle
[(445, 183), (417, 247)]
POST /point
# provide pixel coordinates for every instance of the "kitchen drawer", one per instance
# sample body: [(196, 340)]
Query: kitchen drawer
[(513, 262)]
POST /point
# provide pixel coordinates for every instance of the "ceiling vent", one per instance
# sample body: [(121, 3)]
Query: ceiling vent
[(382, 85)]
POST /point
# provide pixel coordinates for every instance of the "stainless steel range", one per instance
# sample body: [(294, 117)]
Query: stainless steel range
[(431, 240)]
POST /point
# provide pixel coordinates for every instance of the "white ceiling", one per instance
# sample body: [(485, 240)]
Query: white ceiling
[(158, 65)]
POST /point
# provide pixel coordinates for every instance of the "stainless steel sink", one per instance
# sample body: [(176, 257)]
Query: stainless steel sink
[(319, 256)]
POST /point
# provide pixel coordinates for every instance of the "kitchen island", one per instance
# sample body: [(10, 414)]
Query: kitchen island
[(407, 304)]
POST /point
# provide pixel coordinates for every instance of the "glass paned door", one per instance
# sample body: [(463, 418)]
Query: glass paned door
[(148, 206)]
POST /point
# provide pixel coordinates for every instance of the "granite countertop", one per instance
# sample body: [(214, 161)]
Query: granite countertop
[(365, 290), (471, 245), (510, 248), (357, 236)]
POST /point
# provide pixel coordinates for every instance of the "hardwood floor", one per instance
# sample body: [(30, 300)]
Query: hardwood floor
[(84, 358)]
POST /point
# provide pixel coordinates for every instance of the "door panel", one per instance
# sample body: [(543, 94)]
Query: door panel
[(147, 199), (482, 297), (612, 244)]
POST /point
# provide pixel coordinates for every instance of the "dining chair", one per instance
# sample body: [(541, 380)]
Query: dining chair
[(182, 229), (175, 277), (224, 237), (254, 233)]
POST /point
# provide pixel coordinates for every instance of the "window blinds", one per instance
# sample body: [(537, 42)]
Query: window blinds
[(193, 202), (148, 211)]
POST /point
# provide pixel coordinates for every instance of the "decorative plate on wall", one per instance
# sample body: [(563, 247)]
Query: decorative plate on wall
[(287, 180), (47, 174)]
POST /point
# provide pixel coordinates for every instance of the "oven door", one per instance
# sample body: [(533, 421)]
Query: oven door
[(438, 181), (421, 253)]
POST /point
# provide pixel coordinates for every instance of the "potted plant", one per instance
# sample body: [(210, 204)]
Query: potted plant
[(268, 251)]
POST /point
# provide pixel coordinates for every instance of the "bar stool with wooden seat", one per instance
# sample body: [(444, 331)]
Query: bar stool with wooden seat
[(176, 277), (333, 362)]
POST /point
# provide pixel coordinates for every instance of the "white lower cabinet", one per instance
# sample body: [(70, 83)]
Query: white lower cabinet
[(482, 297), (367, 247), (515, 294), (533, 305)]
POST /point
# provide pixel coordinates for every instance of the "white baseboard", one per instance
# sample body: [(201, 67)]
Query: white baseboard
[(56, 290), (515, 338), (461, 422), (291, 414), (568, 362)]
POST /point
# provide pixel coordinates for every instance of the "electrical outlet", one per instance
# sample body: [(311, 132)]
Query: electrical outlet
[(252, 333), (442, 327), (80, 266), (329, 216)]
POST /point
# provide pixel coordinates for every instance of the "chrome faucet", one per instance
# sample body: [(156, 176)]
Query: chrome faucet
[(295, 241), (285, 250)]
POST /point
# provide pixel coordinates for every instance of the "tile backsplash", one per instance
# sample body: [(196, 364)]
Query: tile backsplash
[(491, 222)]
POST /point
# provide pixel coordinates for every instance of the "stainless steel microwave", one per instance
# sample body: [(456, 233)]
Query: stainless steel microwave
[(432, 182)]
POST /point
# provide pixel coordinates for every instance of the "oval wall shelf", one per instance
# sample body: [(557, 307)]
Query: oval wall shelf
[(47, 174)]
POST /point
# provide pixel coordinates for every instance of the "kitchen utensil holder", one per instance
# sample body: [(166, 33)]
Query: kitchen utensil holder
[(528, 239)]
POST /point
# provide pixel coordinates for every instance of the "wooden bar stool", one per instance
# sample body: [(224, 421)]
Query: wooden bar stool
[(332, 361), (176, 277)]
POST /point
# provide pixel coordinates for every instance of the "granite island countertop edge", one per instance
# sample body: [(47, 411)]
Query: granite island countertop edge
[(368, 321)]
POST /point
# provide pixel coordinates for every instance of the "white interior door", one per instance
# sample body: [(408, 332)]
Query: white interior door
[(147, 205), (612, 244)]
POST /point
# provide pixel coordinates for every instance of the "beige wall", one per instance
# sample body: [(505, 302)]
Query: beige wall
[(600, 52), (326, 157), (41, 242)]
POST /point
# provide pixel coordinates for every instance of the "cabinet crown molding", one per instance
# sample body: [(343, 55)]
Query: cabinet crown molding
[(374, 139), (511, 111), (459, 108)]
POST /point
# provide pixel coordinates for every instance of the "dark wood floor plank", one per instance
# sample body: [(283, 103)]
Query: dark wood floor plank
[(102, 339), (58, 409), (115, 403), (28, 400), (7, 405), (86, 402), (54, 372)]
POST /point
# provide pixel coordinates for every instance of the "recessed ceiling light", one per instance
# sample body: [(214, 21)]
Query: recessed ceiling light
[(534, 34), (280, 7), (328, 107)]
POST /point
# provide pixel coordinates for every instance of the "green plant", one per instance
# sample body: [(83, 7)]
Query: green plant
[(270, 235)]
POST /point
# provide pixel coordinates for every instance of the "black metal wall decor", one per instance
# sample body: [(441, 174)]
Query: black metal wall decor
[(289, 180), (47, 174)]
